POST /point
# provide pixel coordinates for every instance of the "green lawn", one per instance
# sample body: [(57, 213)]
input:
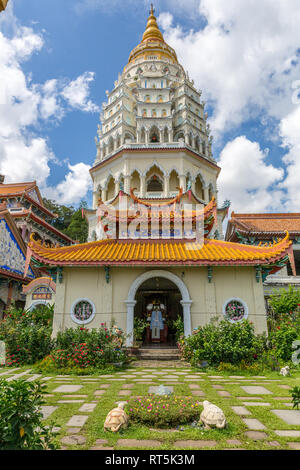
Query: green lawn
[(235, 430)]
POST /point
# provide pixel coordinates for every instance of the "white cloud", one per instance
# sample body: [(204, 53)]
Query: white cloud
[(77, 93), (244, 59), (289, 131), (247, 179), (74, 187), (25, 156)]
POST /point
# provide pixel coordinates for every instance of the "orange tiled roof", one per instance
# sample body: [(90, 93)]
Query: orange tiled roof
[(267, 222), (133, 252), (15, 188)]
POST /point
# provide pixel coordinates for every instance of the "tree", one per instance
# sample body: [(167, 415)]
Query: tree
[(69, 220), (78, 227)]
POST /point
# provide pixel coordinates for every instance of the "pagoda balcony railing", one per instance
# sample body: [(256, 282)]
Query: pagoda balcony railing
[(153, 145), (276, 279)]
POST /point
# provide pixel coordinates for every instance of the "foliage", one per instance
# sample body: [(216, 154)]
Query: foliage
[(78, 227), (282, 337), (223, 342), (243, 366), (139, 326), (81, 348), (295, 392), (285, 302), (69, 220), (21, 425), (27, 335), (162, 411), (178, 326)]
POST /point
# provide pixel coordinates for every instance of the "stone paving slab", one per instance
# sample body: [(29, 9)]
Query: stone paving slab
[(189, 444), (256, 435), (7, 372), (98, 393), (288, 433), (241, 410), (148, 443), (34, 377), (249, 403), (77, 421), (194, 386), (74, 396), (256, 390), (288, 416), (18, 376), (223, 393), (198, 393), (73, 439), (48, 410), (234, 442), (70, 401), (87, 407), (124, 393), (254, 424), (247, 398), (294, 445), (127, 386), (104, 385), (67, 388)]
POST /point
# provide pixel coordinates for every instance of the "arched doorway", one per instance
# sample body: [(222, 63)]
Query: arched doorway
[(161, 285)]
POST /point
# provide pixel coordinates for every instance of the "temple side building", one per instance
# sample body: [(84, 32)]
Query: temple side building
[(258, 229), (22, 214), (154, 168)]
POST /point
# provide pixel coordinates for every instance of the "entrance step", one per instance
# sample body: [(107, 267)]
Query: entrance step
[(154, 354)]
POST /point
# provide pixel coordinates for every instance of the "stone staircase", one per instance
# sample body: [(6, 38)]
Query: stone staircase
[(158, 354)]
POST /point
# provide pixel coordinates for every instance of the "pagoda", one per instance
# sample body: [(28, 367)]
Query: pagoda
[(154, 175)]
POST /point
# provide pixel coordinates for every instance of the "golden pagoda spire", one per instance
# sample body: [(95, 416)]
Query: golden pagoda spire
[(152, 29)]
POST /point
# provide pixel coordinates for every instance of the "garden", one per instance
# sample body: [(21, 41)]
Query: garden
[(57, 393)]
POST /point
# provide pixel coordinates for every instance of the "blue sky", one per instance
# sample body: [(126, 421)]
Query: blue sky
[(61, 55)]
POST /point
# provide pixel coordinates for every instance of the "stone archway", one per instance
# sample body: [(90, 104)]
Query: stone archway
[(130, 302)]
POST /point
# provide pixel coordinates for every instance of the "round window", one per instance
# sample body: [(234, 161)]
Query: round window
[(235, 310), (83, 311)]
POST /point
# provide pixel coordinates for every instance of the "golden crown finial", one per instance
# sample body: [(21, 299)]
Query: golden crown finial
[(152, 29), (152, 9)]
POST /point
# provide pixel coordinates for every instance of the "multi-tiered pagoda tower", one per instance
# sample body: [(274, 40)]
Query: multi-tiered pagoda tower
[(154, 135)]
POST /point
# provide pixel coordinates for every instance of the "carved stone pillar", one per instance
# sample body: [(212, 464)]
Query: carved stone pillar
[(95, 199), (206, 194), (186, 304), (129, 321)]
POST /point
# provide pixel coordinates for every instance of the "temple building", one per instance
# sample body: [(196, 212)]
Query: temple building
[(22, 214), (258, 229), (156, 250)]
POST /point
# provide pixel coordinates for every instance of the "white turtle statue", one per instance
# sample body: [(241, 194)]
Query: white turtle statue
[(212, 416), (116, 419), (285, 371)]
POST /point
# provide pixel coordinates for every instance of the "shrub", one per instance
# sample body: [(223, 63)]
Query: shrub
[(223, 342), (81, 348), (282, 338), (162, 411), (285, 302), (295, 392), (21, 425), (27, 335)]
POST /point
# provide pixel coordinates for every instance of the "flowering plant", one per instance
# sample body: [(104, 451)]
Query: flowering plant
[(163, 411)]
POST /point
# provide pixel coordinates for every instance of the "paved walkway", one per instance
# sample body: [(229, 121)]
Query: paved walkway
[(258, 408)]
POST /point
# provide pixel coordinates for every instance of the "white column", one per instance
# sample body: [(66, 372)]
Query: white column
[(103, 195), (166, 186), (129, 321), (143, 186), (182, 182), (186, 304), (117, 188), (95, 199), (161, 135), (206, 194), (127, 184)]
